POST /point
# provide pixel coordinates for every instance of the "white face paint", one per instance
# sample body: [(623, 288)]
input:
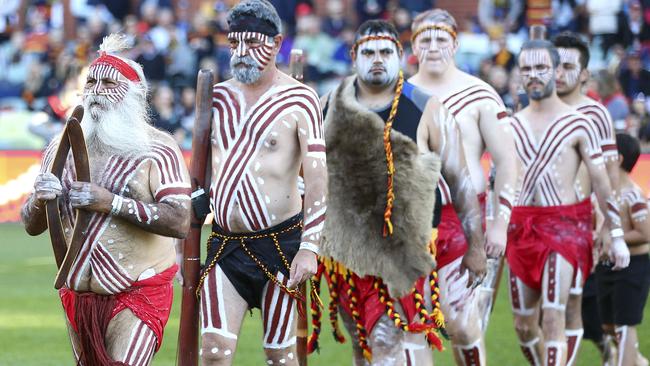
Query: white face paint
[(106, 81), (537, 73), (435, 47), (570, 68), (377, 62)]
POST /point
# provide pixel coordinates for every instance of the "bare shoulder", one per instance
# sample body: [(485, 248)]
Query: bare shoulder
[(433, 104), (163, 138)]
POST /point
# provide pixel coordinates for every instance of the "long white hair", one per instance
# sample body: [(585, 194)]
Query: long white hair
[(120, 128)]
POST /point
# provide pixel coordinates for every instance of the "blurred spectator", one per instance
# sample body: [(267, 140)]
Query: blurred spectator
[(8, 18), (603, 22), (14, 65), (503, 56), (415, 7), (613, 99), (568, 15), (499, 17), (498, 79), (402, 21), (640, 118), (318, 47), (635, 32), (152, 61), (634, 79), (163, 114), (371, 9), (335, 21)]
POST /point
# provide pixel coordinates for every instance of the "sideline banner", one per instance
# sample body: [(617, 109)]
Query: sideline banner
[(18, 169)]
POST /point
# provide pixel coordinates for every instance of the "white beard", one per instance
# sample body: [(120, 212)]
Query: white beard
[(116, 128)]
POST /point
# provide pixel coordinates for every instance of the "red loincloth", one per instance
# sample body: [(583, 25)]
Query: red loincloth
[(451, 243), (370, 308), (150, 300), (535, 232)]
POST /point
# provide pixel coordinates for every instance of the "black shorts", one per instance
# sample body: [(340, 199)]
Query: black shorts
[(622, 294), (590, 313), (242, 271)]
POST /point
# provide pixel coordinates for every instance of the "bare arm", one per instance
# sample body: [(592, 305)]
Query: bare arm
[(640, 233), (46, 187), (499, 142), (439, 133), (592, 157), (167, 215), (314, 165)]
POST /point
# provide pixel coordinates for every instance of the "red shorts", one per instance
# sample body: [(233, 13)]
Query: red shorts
[(535, 232), (369, 305), (451, 243), (150, 300)]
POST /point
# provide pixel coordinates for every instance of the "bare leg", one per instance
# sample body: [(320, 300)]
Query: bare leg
[(357, 353), (574, 330), (556, 282), (222, 313), (279, 318), (462, 315), (525, 309), (387, 343), (417, 350), (130, 340), (627, 345)]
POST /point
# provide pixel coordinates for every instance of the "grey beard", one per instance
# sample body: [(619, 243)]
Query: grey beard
[(248, 74)]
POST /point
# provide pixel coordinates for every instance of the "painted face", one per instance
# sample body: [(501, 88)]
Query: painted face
[(537, 73), (257, 46), (569, 76), (106, 81), (377, 61), (435, 45)]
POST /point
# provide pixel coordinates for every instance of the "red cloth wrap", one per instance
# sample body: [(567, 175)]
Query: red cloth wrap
[(451, 243), (370, 308), (535, 232), (150, 300)]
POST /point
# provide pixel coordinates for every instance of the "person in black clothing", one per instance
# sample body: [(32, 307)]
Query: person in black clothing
[(634, 79), (354, 138)]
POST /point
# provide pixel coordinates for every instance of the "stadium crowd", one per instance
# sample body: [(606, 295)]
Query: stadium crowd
[(39, 69)]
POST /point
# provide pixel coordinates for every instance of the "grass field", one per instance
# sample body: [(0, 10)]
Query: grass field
[(32, 330)]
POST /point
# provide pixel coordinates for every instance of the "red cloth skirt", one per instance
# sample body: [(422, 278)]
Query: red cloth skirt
[(369, 305), (535, 232), (451, 243), (150, 300)]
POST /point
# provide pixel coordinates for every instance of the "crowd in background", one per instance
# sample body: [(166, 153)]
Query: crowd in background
[(40, 71)]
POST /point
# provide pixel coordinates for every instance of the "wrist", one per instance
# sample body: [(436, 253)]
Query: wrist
[(309, 246), (616, 233), (116, 205)]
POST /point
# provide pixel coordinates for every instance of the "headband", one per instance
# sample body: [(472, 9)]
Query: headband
[(118, 64), (443, 27), (247, 22), (375, 37)]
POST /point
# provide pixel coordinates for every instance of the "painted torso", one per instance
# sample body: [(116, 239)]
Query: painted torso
[(116, 253), (465, 105), (548, 151), (256, 153)]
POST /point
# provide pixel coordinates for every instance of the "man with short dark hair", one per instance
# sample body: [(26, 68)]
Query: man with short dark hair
[(572, 75), (381, 191), (549, 237)]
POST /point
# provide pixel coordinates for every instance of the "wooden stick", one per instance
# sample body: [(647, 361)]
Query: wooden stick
[(188, 333)]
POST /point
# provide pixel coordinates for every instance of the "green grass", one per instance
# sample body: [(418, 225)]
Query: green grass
[(32, 330)]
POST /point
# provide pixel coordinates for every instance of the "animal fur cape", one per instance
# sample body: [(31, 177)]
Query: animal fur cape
[(357, 184)]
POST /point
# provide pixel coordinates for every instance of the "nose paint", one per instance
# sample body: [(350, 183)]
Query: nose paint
[(435, 38), (103, 71), (572, 57), (261, 54)]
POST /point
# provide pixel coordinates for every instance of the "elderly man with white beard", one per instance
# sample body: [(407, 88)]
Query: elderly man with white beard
[(118, 293)]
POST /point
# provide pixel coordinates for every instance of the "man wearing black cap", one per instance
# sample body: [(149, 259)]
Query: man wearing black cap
[(266, 126)]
